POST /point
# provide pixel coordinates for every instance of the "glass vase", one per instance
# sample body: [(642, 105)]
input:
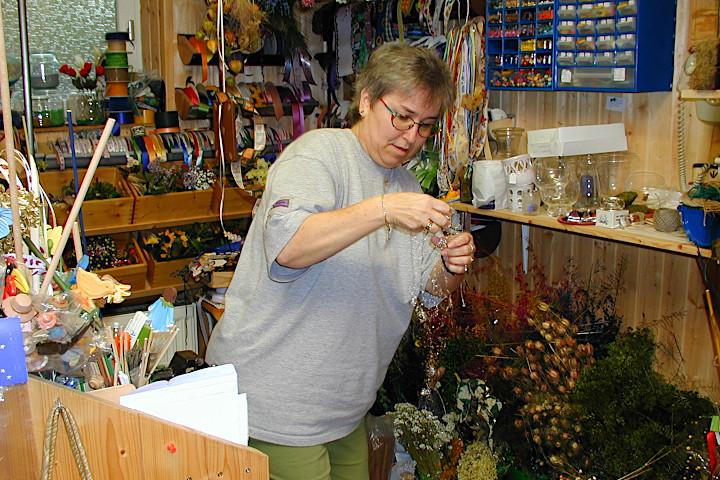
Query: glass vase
[(87, 108)]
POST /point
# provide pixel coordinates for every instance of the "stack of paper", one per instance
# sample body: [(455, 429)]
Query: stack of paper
[(206, 400)]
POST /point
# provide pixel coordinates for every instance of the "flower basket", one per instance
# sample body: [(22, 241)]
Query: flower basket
[(97, 214), (160, 274), (179, 205), (233, 196), (133, 275), (188, 204)]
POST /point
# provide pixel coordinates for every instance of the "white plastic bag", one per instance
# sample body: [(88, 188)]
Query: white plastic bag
[(489, 185)]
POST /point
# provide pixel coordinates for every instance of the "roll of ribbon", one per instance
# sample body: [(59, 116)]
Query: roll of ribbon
[(116, 46), (115, 74), (116, 59), (123, 118), (167, 119), (116, 89), (119, 104), (165, 130), (146, 117), (124, 36)]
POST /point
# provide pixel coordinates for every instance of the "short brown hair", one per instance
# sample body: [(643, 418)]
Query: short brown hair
[(398, 67)]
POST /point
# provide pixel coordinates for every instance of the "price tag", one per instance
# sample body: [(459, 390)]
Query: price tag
[(237, 173), (616, 104), (565, 76), (618, 74)]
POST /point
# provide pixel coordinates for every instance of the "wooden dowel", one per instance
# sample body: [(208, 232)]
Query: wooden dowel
[(72, 216), (77, 241), (10, 149)]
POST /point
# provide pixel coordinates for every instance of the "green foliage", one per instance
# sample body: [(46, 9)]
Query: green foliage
[(426, 171), (631, 414), (97, 191)]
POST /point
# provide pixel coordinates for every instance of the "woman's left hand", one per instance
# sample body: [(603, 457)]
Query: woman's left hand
[(458, 251)]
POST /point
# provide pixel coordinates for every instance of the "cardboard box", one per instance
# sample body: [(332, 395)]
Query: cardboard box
[(97, 214), (583, 140)]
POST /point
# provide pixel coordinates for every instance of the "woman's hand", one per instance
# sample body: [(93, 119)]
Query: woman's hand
[(458, 252), (416, 212)]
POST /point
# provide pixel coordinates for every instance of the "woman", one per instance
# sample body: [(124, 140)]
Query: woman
[(342, 246)]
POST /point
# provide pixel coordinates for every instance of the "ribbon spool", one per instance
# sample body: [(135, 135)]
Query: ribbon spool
[(117, 74), (116, 89), (116, 46), (123, 118), (119, 104), (116, 59)]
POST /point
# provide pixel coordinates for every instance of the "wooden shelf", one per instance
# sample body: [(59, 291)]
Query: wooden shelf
[(641, 235), (241, 209), (700, 94)]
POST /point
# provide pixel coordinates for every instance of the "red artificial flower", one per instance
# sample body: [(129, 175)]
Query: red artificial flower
[(100, 70), (71, 72), (64, 69), (87, 66), (84, 72)]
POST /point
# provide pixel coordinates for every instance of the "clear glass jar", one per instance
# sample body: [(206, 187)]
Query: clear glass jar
[(87, 107), (588, 199), (44, 71), (47, 112), (508, 141)]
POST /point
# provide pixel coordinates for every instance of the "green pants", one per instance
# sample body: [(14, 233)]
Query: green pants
[(343, 459)]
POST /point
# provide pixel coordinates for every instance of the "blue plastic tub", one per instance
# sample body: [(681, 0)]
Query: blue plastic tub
[(702, 229)]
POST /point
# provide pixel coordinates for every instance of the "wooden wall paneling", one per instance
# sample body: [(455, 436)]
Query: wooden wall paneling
[(150, 34)]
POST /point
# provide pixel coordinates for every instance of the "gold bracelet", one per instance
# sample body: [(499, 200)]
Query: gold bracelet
[(384, 210)]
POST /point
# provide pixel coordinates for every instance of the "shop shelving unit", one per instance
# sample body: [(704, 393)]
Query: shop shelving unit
[(595, 45)]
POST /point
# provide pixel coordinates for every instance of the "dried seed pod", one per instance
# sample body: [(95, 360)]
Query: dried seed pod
[(535, 376), (565, 322), (561, 388), (570, 383), (546, 325), (497, 351), (519, 424), (549, 337), (537, 439), (539, 345), (543, 306), (518, 391), (520, 351)]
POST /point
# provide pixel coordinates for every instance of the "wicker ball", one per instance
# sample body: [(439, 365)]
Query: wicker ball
[(666, 219)]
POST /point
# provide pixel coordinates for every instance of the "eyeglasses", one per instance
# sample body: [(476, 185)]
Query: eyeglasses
[(403, 122)]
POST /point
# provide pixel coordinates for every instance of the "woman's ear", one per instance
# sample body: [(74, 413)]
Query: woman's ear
[(364, 103)]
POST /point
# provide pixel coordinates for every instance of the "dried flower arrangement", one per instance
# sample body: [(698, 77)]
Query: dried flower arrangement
[(535, 378), (177, 178)]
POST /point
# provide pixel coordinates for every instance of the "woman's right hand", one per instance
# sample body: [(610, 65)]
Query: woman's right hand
[(417, 212)]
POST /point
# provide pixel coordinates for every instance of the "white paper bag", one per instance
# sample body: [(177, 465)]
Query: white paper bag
[(489, 185)]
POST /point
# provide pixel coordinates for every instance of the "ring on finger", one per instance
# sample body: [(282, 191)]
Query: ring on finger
[(472, 248), (429, 225), (466, 268)]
